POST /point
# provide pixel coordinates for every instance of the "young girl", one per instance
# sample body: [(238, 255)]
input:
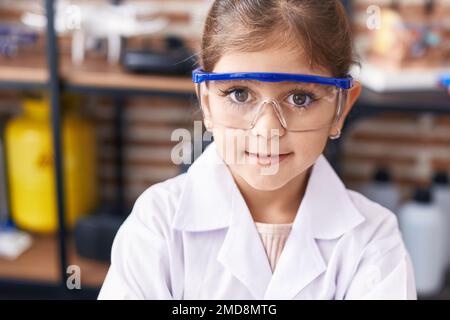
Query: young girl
[(261, 214)]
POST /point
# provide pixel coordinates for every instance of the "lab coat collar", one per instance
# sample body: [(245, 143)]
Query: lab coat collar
[(205, 202), (209, 194), (211, 200)]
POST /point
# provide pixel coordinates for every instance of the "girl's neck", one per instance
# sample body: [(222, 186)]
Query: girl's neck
[(275, 206)]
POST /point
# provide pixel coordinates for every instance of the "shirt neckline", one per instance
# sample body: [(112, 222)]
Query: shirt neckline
[(273, 228)]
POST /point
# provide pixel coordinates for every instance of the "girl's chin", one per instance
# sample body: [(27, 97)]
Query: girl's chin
[(265, 182)]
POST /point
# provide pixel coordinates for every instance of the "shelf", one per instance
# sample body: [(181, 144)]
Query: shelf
[(40, 263), (94, 75), (98, 75), (28, 71), (426, 100)]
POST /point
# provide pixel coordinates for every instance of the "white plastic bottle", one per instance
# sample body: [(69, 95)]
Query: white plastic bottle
[(441, 194), (382, 190), (423, 227)]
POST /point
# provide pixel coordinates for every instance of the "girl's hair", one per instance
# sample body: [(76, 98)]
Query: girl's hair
[(318, 28)]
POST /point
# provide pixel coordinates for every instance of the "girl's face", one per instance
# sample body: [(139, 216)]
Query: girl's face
[(292, 153)]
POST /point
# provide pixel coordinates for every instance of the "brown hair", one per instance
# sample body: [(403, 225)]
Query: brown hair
[(318, 27)]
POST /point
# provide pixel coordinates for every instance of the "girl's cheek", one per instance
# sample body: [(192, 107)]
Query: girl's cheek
[(230, 145), (309, 143)]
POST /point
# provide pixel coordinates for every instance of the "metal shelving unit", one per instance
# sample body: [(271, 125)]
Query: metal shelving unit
[(55, 85), (371, 103)]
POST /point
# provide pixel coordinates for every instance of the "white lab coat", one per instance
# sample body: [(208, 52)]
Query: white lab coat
[(193, 237)]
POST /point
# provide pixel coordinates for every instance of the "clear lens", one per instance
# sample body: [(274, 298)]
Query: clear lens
[(299, 106)]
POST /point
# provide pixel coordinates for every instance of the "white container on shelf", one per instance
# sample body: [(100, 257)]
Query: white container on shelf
[(441, 194), (382, 190), (423, 226)]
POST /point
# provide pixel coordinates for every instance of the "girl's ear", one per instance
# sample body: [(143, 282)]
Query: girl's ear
[(352, 95), (202, 96)]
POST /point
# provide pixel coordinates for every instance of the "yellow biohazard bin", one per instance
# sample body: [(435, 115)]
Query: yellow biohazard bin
[(31, 172)]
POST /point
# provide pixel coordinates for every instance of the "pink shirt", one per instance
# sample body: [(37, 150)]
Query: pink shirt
[(273, 237)]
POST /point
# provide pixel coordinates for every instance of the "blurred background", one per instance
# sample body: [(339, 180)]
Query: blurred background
[(91, 92)]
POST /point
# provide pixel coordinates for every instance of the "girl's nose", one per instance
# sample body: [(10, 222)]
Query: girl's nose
[(269, 121)]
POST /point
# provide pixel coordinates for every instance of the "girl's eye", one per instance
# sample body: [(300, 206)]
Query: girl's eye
[(300, 99), (239, 95)]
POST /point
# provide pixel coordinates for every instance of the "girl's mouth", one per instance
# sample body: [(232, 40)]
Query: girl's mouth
[(267, 159)]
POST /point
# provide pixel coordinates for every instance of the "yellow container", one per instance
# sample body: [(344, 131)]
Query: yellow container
[(31, 171)]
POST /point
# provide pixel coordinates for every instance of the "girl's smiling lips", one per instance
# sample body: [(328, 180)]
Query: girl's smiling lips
[(266, 159)]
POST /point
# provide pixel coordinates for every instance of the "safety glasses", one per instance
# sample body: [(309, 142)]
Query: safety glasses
[(300, 102)]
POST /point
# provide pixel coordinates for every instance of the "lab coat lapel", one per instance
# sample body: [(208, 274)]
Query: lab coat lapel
[(205, 202), (242, 251), (299, 264), (326, 212)]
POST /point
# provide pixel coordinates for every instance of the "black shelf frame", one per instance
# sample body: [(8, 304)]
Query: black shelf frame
[(369, 104), (12, 85), (29, 289)]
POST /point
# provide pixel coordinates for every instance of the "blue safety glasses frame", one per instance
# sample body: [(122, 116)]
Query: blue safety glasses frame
[(199, 75), (445, 80)]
